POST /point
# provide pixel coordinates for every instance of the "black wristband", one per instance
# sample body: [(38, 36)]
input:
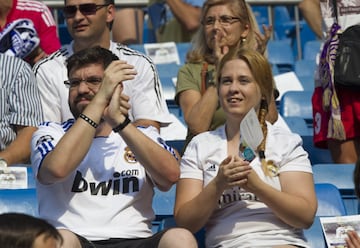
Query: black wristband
[(122, 125), (88, 120)]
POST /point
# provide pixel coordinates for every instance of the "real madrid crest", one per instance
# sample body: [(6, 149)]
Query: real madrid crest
[(129, 156)]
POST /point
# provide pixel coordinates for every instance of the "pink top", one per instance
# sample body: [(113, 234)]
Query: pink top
[(43, 21)]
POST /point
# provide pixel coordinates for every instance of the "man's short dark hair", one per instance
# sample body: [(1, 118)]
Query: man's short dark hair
[(92, 55)]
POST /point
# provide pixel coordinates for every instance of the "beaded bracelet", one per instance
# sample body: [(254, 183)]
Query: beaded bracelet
[(88, 120), (122, 125)]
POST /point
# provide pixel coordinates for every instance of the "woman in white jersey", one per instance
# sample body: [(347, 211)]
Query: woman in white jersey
[(246, 196)]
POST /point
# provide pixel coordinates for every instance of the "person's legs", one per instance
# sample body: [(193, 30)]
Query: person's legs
[(177, 238), (344, 152), (70, 239), (347, 151), (128, 26)]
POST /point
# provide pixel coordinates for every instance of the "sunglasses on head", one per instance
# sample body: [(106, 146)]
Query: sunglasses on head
[(85, 9)]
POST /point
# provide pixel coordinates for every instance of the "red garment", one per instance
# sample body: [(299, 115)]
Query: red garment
[(43, 21)]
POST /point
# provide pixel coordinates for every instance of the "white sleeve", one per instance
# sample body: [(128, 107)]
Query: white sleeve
[(50, 75), (190, 166), (146, 96), (43, 142)]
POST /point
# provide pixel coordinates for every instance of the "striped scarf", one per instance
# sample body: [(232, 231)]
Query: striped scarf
[(326, 77)]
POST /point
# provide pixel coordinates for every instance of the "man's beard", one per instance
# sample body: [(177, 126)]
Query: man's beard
[(73, 107)]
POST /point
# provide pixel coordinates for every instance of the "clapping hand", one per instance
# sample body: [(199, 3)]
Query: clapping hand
[(233, 171)]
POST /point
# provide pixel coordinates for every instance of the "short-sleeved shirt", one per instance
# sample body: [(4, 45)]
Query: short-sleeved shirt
[(43, 20), (19, 98), (348, 13), (109, 195), (189, 78), (145, 91), (242, 219)]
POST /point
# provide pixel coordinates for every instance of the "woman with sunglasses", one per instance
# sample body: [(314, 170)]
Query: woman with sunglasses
[(225, 24), (247, 192)]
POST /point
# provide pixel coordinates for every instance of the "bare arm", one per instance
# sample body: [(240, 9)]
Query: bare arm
[(19, 150), (310, 9), (160, 163), (294, 205), (186, 14), (198, 110)]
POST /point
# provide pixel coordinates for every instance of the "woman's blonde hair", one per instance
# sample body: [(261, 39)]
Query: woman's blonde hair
[(200, 50), (262, 73)]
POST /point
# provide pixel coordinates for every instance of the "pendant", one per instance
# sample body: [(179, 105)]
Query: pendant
[(246, 152)]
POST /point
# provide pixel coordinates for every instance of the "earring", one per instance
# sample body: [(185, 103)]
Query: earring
[(243, 39)]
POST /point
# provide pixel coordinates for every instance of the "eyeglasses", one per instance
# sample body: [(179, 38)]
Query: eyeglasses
[(224, 20), (90, 82), (85, 9)]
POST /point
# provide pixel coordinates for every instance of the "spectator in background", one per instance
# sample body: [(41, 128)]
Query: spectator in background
[(73, 162), (20, 39), (128, 26), (224, 24), (20, 112), (24, 231), (246, 196), (180, 19), (39, 14), (89, 24), (335, 107)]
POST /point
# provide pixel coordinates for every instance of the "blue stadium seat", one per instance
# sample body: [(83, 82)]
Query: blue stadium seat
[(297, 103), (284, 24), (280, 54), (163, 205), (183, 48), (341, 176), (311, 49), (168, 72), (65, 37), (163, 202), (330, 203), (305, 71), (305, 67), (307, 82), (316, 155), (297, 125), (19, 201), (261, 14)]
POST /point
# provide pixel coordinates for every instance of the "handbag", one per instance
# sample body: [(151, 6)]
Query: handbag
[(346, 70), (347, 61)]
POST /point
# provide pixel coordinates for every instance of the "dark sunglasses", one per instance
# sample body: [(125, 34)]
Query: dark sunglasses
[(85, 9)]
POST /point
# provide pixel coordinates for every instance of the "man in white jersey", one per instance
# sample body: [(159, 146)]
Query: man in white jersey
[(89, 23), (96, 173)]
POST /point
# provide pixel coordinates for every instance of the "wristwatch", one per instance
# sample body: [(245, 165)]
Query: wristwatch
[(3, 163)]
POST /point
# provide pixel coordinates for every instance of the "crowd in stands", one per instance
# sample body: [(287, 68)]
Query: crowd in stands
[(86, 117)]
